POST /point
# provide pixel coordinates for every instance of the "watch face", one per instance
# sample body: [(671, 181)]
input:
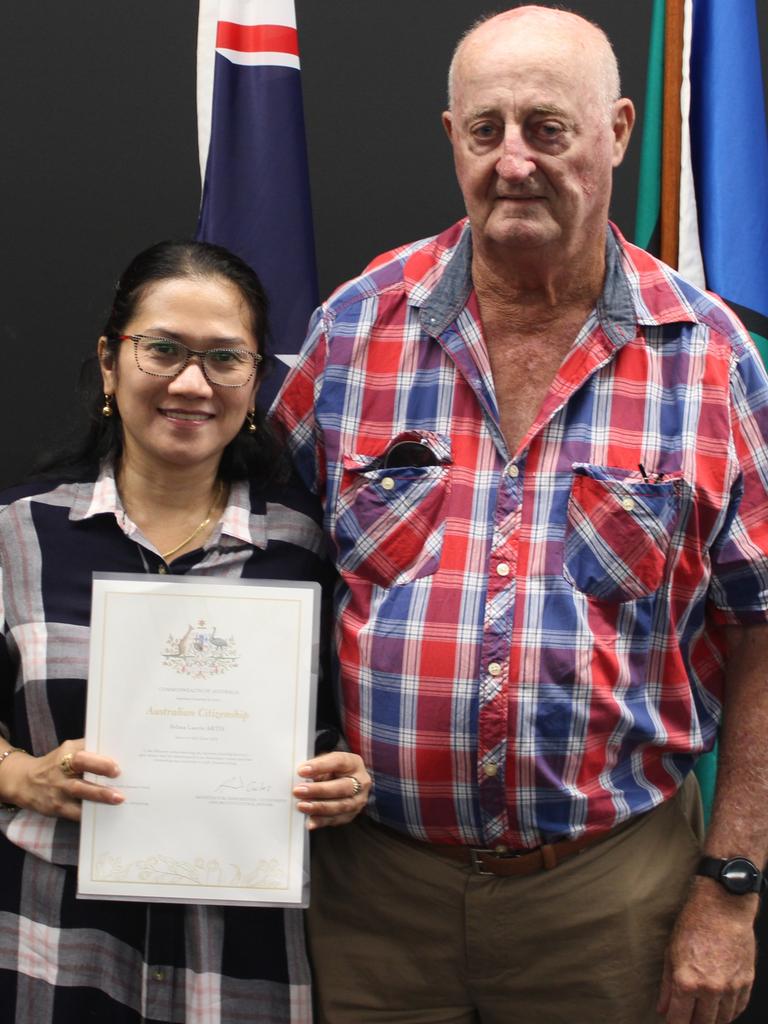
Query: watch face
[(739, 875)]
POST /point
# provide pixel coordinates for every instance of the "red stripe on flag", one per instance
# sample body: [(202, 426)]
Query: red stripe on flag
[(257, 38)]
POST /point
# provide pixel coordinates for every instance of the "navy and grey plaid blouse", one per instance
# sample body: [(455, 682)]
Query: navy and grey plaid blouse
[(61, 958)]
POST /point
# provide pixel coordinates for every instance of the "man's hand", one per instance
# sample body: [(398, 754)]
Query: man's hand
[(710, 960)]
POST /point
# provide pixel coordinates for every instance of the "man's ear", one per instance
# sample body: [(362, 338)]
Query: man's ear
[(447, 119), (623, 122)]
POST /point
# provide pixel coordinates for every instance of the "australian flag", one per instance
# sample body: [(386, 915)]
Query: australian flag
[(253, 158)]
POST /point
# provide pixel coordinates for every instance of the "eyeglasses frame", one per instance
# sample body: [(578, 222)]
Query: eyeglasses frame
[(136, 338)]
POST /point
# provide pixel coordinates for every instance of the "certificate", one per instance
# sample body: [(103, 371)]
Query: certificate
[(203, 691)]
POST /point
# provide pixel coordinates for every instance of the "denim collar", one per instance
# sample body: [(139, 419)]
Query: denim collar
[(615, 307)]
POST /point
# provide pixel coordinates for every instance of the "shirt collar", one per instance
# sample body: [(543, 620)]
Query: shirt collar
[(452, 291), (101, 497), (637, 288), (615, 307), (97, 497)]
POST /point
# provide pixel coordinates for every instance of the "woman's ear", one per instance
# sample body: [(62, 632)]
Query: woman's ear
[(107, 364)]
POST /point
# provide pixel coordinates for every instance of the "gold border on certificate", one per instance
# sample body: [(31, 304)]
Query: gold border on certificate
[(204, 692)]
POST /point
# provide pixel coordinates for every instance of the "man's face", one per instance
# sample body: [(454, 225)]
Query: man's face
[(535, 136)]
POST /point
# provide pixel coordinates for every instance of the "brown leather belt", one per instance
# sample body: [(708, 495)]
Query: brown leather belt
[(513, 864)]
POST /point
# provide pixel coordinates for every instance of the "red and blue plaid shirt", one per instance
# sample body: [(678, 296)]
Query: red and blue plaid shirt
[(529, 644)]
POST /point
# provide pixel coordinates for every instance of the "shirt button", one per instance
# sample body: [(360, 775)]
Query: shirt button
[(158, 975), (491, 769), (628, 504), (162, 570), (502, 569), (387, 483), (494, 668), (513, 471)]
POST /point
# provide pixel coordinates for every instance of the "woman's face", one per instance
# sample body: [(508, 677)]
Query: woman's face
[(182, 421)]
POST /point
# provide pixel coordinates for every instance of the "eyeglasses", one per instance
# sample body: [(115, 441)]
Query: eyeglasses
[(162, 357)]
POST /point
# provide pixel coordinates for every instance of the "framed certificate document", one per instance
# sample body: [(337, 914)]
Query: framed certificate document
[(203, 690)]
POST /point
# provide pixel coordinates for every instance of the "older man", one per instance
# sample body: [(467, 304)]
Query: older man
[(543, 461)]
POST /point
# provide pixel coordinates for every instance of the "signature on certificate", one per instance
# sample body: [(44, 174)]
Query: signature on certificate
[(238, 784)]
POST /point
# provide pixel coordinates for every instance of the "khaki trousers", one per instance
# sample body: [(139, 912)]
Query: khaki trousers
[(400, 935)]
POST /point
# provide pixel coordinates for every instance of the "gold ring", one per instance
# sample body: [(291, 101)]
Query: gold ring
[(356, 783), (66, 766)]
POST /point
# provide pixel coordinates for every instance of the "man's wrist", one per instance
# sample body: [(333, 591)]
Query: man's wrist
[(711, 898), (738, 875)]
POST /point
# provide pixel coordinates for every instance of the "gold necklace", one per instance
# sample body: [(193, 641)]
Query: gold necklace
[(198, 528)]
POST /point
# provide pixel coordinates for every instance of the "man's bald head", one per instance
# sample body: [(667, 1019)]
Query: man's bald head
[(537, 127), (555, 23)]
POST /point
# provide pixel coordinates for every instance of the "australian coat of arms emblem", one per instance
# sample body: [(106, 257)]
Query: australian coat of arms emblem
[(200, 653)]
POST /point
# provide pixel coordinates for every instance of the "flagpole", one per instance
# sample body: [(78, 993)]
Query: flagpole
[(670, 160)]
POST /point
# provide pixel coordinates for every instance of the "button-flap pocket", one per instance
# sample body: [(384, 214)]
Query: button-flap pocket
[(390, 516), (618, 531)]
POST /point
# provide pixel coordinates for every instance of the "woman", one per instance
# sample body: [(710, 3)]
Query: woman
[(160, 486)]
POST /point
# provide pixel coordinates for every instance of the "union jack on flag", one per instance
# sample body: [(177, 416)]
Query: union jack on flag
[(253, 158)]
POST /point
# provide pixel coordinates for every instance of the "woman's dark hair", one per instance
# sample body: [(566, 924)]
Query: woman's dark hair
[(259, 454)]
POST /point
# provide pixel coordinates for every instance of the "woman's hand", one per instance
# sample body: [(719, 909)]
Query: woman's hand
[(335, 788), (53, 784)]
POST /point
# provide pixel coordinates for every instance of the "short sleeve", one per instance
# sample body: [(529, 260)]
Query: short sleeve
[(294, 408), (739, 587)]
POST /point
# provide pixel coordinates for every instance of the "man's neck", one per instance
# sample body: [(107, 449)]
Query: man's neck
[(533, 287)]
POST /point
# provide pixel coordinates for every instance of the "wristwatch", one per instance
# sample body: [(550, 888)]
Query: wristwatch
[(736, 874)]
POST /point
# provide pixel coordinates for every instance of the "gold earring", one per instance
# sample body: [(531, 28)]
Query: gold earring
[(106, 409), (250, 418)]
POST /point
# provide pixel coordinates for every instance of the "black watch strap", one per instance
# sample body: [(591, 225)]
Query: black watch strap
[(738, 875)]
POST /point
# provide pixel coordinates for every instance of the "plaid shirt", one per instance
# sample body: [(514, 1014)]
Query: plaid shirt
[(528, 643), (64, 959)]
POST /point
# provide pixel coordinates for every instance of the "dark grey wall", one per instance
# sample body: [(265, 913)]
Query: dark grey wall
[(100, 158), (98, 121), (98, 126)]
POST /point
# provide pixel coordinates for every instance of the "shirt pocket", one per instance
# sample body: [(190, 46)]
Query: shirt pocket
[(390, 519), (619, 531)]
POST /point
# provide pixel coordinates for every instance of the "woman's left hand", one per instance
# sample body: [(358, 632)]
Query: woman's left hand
[(334, 789)]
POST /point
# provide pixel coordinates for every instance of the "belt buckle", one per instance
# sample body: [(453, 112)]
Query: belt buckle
[(476, 863)]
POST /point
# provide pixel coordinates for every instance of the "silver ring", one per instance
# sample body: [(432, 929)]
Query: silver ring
[(357, 784)]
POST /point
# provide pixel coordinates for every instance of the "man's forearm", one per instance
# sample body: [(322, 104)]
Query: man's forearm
[(710, 958), (739, 825)]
